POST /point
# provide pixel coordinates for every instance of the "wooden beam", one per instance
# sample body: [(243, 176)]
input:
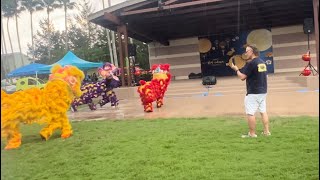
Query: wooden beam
[(230, 29), (219, 19), (170, 2), (202, 9), (138, 5), (112, 18), (174, 6), (115, 20), (220, 25), (136, 30)]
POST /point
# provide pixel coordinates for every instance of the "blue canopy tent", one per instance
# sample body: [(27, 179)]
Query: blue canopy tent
[(72, 59), (27, 70)]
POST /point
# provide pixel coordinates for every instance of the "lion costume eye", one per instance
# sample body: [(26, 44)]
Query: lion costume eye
[(72, 80)]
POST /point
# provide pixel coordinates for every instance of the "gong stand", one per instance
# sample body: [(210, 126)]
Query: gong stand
[(309, 65)]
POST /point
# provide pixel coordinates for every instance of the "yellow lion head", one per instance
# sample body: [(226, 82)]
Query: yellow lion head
[(70, 74)]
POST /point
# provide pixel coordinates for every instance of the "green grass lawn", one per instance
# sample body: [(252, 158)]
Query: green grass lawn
[(204, 148)]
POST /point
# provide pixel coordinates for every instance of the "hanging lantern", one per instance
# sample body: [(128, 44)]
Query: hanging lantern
[(137, 73), (306, 57), (306, 72)]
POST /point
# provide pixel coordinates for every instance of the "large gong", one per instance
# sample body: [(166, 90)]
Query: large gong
[(204, 45), (262, 38)]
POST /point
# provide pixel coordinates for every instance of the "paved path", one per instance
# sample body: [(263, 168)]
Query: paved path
[(293, 103)]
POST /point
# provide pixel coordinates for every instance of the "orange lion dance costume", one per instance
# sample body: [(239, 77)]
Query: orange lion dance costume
[(48, 105), (154, 90)]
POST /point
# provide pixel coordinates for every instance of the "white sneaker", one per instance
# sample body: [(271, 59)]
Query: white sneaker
[(266, 134), (249, 135)]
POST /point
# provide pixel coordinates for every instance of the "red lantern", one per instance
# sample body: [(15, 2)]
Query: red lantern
[(306, 57), (137, 73), (306, 72)]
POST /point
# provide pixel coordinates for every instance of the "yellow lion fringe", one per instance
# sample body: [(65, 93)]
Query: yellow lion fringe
[(48, 105)]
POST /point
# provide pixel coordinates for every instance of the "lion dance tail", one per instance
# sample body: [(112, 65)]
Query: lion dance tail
[(7, 128)]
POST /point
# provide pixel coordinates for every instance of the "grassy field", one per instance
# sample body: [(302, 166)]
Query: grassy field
[(204, 148)]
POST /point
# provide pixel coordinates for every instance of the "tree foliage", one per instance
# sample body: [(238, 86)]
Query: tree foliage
[(87, 40)]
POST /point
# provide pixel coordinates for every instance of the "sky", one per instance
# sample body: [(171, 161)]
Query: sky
[(57, 18)]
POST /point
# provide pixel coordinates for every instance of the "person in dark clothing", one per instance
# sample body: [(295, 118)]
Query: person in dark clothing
[(94, 77), (255, 74), (113, 99)]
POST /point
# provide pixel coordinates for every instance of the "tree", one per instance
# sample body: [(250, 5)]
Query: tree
[(7, 11), (32, 6), (2, 35), (47, 38), (142, 57), (106, 31), (67, 5), (17, 10), (50, 5), (3, 50), (86, 39)]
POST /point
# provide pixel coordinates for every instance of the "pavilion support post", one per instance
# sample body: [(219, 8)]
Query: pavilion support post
[(123, 83), (124, 55), (316, 27)]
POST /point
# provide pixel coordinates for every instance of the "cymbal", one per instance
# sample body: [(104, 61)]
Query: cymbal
[(238, 61)]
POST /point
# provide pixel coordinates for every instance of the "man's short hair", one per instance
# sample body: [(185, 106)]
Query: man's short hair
[(254, 48)]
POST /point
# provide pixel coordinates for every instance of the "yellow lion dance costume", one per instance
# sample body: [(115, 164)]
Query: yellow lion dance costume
[(48, 105), (154, 90)]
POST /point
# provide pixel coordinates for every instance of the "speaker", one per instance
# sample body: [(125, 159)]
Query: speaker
[(209, 80), (132, 50), (308, 26), (195, 76)]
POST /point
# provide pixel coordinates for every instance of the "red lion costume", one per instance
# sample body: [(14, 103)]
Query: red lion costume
[(154, 90)]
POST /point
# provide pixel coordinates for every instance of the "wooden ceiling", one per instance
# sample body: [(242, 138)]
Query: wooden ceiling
[(163, 20)]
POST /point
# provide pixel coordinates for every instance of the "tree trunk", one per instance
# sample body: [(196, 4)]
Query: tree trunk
[(3, 68), (19, 43), (14, 58), (32, 41), (114, 49), (18, 36), (66, 26), (3, 49), (115, 55), (49, 33), (108, 37), (109, 45), (48, 14), (3, 38), (9, 36)]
